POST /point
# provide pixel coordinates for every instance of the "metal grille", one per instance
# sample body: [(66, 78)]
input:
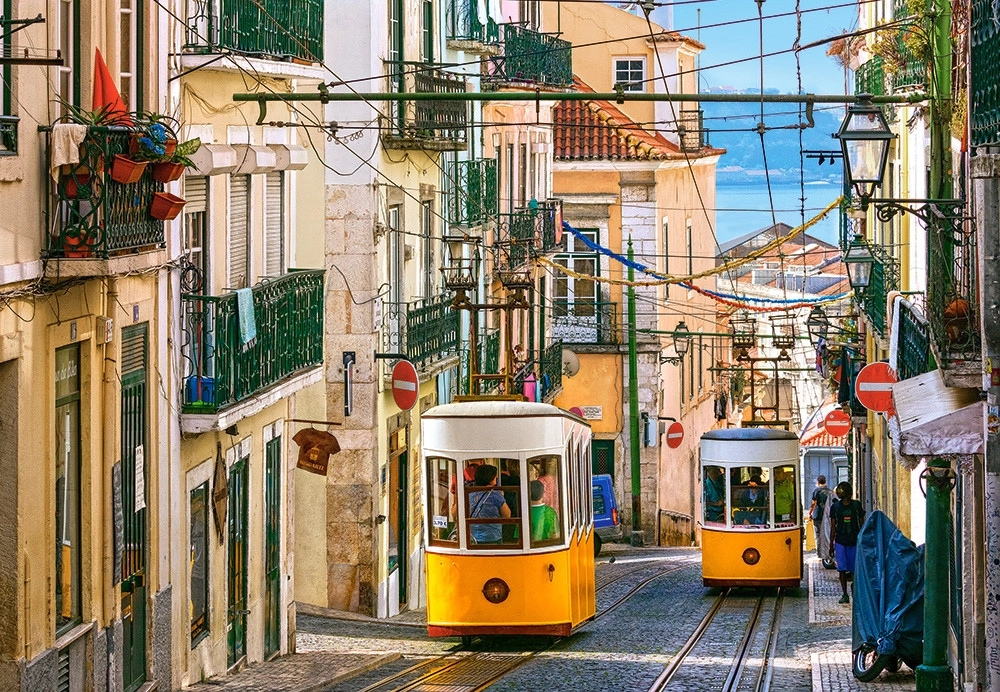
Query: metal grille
[(463, 23), (274, 28), (237, 571), (196, 194), (63, 676), (531, 57), (473, 195), (984, 97), (603, 457)]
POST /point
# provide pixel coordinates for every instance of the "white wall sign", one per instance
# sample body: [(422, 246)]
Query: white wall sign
[(593, 412)]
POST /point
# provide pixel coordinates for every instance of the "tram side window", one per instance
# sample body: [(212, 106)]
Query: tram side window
[(785, 504), (546, 505), (714, 495), (750, 496), (492, 502), (443, 507)]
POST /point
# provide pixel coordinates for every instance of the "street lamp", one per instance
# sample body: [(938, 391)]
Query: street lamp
[(864, 139), (859, 260), (817, 324), (682, 342)]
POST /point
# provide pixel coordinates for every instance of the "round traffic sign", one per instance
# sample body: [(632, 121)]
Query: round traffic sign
[(404, 384), (873, 387), (675, 435), (837, 423)]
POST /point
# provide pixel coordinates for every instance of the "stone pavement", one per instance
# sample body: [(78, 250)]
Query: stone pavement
[(359, 643)]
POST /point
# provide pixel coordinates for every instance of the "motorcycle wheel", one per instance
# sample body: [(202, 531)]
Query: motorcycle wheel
[(868, 663), (597, 545), (893, 664)]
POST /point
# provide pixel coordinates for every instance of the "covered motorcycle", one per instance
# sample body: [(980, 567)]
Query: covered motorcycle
[(888, 599)]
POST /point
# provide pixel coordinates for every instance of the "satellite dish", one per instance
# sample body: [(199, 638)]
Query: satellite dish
[(570, 363)]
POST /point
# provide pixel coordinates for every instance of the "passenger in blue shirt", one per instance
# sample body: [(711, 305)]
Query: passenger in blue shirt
[(487, 504)]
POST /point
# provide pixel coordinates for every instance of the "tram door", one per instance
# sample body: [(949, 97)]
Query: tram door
[(133, 496), (398, 517)]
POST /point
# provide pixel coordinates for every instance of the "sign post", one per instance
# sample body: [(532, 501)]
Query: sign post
[(404, 384), (873, 387)]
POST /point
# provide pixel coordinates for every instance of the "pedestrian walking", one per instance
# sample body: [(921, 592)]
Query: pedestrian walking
[(819, 512), (846, 517)]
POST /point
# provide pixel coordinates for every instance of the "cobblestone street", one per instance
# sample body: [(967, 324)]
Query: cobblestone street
[(344, 652)]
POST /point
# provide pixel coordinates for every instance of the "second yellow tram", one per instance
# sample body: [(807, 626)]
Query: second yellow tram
[(751, 529)]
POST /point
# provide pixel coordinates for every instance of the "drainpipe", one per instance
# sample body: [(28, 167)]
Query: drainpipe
[(102, 480), (633, 409)]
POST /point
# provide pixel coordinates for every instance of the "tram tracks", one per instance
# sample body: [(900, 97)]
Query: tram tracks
[(752, 647)]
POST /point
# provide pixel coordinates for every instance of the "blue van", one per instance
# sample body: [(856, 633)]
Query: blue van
[(606, 524)]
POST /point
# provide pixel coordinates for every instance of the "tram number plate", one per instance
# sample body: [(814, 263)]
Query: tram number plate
[(440, 522)]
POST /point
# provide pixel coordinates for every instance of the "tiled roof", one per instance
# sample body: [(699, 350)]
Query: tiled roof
[(589, 130)]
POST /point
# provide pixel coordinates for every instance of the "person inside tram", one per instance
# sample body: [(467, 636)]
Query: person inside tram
[(510, 483), (544, 522), (486, 503), (715, 495), (784, 495), (753, 505)]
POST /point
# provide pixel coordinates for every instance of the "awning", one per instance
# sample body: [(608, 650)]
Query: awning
[(938, 420)]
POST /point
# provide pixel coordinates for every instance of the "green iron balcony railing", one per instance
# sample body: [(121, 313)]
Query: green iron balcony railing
[(952, 289), (8, 134), (914, 344), (884, 278), (542, 374), (282, 29), (425, 330), (531, 229), (984, 93), (440, 125), (530, 58), (221, 370), (579, 321), (870, 77), (463, 23), (93, 215), (911, 73), (488, 358), (473, 193)]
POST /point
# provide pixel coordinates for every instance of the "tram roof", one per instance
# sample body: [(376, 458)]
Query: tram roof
[(497, 408), (739, 434)]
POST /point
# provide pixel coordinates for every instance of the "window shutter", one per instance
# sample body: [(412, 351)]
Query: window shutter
[(239, 231), (196, 194), (274, 224)]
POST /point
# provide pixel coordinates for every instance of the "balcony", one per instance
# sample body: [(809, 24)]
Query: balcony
[(91, 216), (425, 330), (884, 278), (289, 30), (473, 198), (984, 97), (910, 71), (690, 130), (546, 370), (585, 322), (531, 229), (222, 371), (466, 31), (438, 125), (913, 342), (8, 134), (531, 59)]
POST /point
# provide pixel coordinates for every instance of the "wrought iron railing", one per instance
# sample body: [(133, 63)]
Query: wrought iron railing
[(544, 369), (473, 193), (530, 58), (586, 322), (426, 330), (912, 73), (913, 344), (440, 124), (285, 29), (984, 96), (463, 23), (91, 214), (222, 368), (883, 279), (527, 230), (870, 77), (488, 358), (952, 290), (8, 134), (690, 129)]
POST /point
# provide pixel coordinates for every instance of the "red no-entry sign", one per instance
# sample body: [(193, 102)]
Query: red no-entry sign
[(675, 435), (837, 423), (404, 384), (874, 387)]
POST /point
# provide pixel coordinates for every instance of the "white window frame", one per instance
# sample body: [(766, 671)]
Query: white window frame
[(631, 84)]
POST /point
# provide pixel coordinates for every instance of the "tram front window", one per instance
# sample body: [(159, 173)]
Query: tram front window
[(492, 497), (714, 495), (751, 499), (442, 477), (545, 499), (784, 496)]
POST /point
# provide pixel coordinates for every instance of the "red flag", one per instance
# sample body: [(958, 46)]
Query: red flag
[(106, 94)]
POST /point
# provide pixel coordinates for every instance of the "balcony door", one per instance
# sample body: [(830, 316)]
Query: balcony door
[(237, 573), (575, 317), (272, 547)]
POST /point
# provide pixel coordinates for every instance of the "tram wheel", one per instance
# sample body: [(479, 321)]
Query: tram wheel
[(868, 663), (466, 641), (597, 545)]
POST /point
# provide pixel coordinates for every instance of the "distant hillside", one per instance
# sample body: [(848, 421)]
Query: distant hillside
[(730, 128)]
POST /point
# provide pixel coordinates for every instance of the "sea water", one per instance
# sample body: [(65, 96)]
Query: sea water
[(743, 208)]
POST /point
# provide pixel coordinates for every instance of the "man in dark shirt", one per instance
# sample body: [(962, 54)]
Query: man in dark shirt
[(846, 517)]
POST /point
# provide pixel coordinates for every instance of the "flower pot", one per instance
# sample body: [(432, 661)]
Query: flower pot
[(124, 170), (169, 147), (82, 183), (167, 172), (166, 206), (78, 246)]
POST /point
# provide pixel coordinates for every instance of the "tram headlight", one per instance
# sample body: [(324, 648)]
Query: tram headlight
[(496, 590), (751, 556)]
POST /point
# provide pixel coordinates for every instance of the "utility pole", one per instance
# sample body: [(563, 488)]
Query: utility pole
[(633, 408)]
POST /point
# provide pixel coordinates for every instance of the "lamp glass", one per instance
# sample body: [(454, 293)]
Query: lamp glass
[(864, 139), (818, 324), (682, 338), (859, 261)]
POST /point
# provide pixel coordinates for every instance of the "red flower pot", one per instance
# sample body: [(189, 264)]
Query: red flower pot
[(167, 172), (78, 246), (169, 147), (166, 206), (125, 170), (73, 182)]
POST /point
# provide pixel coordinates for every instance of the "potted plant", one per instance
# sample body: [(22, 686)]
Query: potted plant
[(166, 206), (172, 167), (81, 178)]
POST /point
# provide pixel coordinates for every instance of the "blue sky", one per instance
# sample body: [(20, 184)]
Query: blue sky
[(820, 74)]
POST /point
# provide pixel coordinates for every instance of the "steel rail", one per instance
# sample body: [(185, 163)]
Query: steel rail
[(663, 679)]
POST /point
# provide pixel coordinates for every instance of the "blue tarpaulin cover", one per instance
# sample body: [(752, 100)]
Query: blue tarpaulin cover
[(889, 590)]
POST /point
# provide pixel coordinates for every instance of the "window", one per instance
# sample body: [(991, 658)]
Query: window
[(239, 232), (67, 489), (750, 488), (689, 244), (492, 503), (427, 238), (785, 505), (714, 503), (69, 89), (8, 121), (427, 31), (546, 506), (196, 235), (129, 60), (274, 224), (530, 14), (510, 178), (396, 241), (522, 183), (396, 30), (666, 256), (199, 563), (630, 73), (442, 501), (575, 317)]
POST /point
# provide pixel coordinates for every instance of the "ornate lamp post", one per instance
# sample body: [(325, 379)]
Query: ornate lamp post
[(864, 139), (682, 342), (859, 260)]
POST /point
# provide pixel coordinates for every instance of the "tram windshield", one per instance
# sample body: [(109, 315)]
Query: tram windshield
[(546, 506), (750, 492), (442, 504), (714, 495)]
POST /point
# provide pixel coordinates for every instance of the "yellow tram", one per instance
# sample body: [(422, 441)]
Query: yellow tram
[(509, 519), (752, 530)]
